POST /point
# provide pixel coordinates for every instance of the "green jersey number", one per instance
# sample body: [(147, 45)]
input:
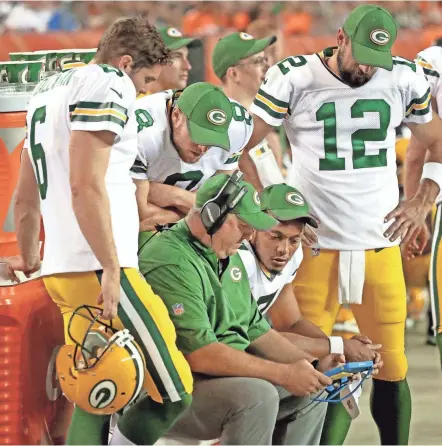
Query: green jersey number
[(38, 153), (144, 120), (327, 114), (193, 178), (241, 114), (287, 64)]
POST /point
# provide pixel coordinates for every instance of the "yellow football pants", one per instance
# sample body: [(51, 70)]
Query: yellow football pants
[(142, 312), (436, 271), (383, 311)]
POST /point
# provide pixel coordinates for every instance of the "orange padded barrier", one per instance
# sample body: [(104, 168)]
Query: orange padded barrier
[(32, 409)]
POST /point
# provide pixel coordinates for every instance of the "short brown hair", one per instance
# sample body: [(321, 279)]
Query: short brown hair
[(136, 37)]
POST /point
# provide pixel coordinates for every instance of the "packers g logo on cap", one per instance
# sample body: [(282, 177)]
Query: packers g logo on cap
[(245, 36), (217, 116), (295, 198), (235, 274), (256, 198), (380, 37), (173, 32)]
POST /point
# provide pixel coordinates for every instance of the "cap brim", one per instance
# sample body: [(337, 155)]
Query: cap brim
[(259, 221), (260, 45), (371, 57), (289, 214), (188, 42), (207, 137)]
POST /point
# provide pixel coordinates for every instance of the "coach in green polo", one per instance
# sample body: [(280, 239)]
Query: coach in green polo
[(248, 378)]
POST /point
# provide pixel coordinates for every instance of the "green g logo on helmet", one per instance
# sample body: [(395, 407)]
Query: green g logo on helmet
[(173, 32), (380, 37), (217, 116)]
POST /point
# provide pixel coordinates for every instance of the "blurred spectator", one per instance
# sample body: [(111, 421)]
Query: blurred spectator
[(296, 19), (63, 18), (205, 19), (29, 16)]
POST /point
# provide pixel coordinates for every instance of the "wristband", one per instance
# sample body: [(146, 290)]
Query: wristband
[(336, 344), (433, 171)]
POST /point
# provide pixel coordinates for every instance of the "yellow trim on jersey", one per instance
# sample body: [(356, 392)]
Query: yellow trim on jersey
[(270, 104), (424, 64), (419, 106), (106, 111)]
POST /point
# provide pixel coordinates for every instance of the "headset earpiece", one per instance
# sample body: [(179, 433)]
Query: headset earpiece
[(214, 211)]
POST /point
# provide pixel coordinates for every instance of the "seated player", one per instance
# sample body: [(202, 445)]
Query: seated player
[(272, 259)]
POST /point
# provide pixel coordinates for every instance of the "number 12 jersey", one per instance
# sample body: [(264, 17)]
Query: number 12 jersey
[(343, 141)]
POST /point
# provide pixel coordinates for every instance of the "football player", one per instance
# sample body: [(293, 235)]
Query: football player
[(272, 259), (182, 143), (417, 155), (239, 60), (74, 172), (175, 75), (340, 108)]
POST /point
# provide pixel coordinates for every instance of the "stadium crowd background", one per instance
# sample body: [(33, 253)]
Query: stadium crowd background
[(204, 18)]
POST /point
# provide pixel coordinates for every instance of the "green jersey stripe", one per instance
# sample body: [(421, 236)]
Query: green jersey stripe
[(100, 118), (422, 112), (275, 101), (98, 106), (268, 110), (418, 101)]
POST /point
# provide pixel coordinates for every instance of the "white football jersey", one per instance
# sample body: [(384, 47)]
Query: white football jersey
[(431, 61), (91, 98), (158, 159), (265, 287), (343, 141)]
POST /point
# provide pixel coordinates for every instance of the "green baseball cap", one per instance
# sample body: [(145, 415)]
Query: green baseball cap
[(209, 113), (174, 39), (231, 49), (248, 207), (286, 203), (372, 31)]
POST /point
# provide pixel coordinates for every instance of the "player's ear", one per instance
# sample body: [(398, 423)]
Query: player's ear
[(231, 73), (125, 63), (340, 37)]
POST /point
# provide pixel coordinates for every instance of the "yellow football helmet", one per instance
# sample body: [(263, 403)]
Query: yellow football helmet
[(104, 372)]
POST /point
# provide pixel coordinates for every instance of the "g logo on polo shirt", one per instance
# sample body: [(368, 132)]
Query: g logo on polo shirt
[(245, 36), (295, 198), (256, 198), (217, 116), (173, 32), (380, 37), (235, 274)]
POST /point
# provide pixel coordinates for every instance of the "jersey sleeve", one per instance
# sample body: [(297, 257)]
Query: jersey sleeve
[(258, 324), (274, 96), (100, 100), (180, 288), (240, 131), (431, 73), (418, 99)]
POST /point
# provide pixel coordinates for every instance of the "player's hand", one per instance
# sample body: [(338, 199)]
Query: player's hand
[(301, 379), (356, 350), (330, 362), (16, 263), (309, 237), (417, 245), (110, 293), (409, 216)]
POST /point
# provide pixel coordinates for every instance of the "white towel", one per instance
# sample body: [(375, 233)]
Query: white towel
[(351, 276)]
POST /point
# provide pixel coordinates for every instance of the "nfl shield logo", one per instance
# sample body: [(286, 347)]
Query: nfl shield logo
[(178, 309), (315, 252)]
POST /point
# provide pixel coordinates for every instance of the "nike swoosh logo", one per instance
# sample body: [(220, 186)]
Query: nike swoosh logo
[(119, 94)]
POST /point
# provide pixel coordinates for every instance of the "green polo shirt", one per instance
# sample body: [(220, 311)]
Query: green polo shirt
[(208, 300)]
